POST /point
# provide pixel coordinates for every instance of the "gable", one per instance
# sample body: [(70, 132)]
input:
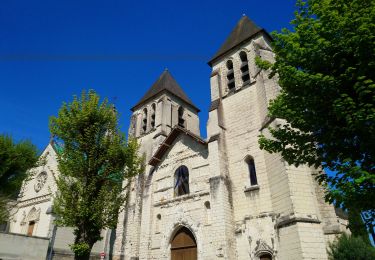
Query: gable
[(42, 179), (183, 149), (169, 141)]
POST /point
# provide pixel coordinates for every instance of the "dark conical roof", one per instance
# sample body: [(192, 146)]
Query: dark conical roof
[(165, 83), (244, 30)]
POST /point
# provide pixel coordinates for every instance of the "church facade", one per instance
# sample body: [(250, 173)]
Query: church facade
[(220, 197), (215, 198)]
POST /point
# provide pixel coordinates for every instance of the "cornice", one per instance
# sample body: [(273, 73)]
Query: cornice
[(34, 201)]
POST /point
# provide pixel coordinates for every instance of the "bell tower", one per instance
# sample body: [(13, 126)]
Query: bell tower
[(164, 106), (268, 192)]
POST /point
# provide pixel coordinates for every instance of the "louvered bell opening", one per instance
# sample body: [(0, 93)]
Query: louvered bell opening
[(244, 66), (181, 122), (153, 120), (231, 84), (246, 77)]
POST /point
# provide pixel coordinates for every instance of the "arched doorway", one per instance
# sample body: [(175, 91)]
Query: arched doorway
[(265, 256), (30, 229), (183, 245)]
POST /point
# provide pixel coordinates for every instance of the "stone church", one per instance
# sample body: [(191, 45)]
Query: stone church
[(219, 197)]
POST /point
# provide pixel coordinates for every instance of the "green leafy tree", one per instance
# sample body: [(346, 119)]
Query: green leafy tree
[(356, 226), (93, 161), (348, 247), (15, 160), (325, 68)]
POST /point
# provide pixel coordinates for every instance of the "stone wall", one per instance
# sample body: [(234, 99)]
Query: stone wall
[(16, 246)]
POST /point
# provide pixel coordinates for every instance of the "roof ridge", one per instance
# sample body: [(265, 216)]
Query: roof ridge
[(165, 82), (244, 30)]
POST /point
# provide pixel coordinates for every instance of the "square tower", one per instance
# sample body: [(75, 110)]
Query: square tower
[(163, 108), (277, 210)]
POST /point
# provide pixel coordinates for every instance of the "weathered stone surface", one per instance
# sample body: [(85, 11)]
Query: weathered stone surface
[(283, 215)]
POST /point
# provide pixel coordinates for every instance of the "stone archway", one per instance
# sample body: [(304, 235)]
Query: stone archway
[(183, 245), (29, 223)]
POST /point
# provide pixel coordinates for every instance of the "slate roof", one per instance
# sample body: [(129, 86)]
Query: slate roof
[(165, 83), (244, 30)]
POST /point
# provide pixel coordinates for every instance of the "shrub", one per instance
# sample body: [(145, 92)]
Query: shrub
[(348, 247)]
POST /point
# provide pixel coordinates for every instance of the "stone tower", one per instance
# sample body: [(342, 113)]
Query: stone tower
[(164, 106), (277, 210), (220, 197)]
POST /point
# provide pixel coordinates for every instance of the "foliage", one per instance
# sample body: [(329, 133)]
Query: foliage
[(94, 159), (326, 73), (356, 225), (80, 249), (348, 247), (15, 160)]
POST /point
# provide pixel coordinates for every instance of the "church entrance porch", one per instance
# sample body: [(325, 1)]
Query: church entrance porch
[(183, 245)]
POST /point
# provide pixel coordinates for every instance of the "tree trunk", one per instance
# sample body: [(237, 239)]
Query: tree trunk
[(82, 240), (82, 257)]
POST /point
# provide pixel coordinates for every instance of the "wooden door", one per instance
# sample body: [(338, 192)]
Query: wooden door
[(183, 246), (30, 228)]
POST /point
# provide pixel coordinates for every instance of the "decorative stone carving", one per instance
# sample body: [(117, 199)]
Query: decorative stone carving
[(40, 181), (35, 200), (34, 215), (262, 248), (23, 218)]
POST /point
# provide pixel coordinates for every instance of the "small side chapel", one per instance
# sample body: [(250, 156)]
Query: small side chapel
[(219, 197)]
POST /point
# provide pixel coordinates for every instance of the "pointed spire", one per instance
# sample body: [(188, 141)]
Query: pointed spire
[(165, 83), (244, 30)]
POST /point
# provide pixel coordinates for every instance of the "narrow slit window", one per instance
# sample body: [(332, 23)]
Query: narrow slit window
[(230, 76), (207, 207), (181, 120), (181, 186), (245, 74), (144, 120), (153, 109), (157, 226), (252, 171)]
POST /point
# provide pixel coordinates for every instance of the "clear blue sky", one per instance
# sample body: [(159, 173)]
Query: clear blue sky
[(51, 50)]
